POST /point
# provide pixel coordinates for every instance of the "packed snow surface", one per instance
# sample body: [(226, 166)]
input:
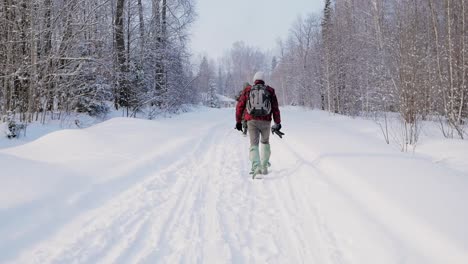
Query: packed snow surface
[(178, 190)]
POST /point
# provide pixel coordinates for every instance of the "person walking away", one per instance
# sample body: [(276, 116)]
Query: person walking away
[(260, 104), (244, 122)]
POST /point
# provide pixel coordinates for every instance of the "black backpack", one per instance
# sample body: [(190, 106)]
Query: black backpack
[(259, 101)]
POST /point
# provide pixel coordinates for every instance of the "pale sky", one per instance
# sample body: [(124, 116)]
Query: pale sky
[(257, 22)]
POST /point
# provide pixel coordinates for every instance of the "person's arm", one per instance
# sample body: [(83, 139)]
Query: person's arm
[(241, 106), (275, 108)]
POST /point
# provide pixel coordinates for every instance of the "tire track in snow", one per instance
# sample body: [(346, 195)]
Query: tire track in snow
[(265, 226), (335, 252), (245, 209), (233, 196), (316, 241), (297, 232), (101, 229), (254, 216), (174, 232), (192, 225)]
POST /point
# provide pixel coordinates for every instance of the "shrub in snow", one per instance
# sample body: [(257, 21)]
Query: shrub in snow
[(13, 129), (91, 107), (91, 99)]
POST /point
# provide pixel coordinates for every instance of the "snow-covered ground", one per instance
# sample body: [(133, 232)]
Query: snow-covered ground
[(177, 190)]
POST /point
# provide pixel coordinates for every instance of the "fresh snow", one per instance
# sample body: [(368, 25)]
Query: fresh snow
[(178, 190)]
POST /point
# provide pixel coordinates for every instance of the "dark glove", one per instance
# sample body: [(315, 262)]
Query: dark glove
[(275, 129), (238, 126)]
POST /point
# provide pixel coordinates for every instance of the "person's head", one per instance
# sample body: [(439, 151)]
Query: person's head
[(246, 84), (259, 76)]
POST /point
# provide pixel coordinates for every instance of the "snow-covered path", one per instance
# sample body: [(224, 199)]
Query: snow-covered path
[(178, 191)]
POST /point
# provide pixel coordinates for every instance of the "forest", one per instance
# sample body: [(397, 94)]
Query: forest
[(62, 56), (373, 58), (377, 58)]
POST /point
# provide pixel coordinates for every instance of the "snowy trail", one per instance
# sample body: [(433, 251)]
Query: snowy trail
[(194, 202)]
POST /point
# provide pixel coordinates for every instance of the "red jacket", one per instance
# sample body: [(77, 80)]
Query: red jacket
[(241, 104)]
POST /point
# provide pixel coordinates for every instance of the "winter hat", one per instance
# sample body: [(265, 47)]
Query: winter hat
[(259, 76)]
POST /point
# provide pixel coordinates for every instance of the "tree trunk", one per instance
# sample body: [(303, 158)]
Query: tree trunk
[(7, 88), (158, 55), (142, 30), (438, 55), (122, 96), (163, 46), (33, 81), (450, 60), (119, 35), (129, 21), (463, 88)]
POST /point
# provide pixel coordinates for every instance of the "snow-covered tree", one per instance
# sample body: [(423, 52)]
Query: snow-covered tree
[(380, 56), (61, 56)]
